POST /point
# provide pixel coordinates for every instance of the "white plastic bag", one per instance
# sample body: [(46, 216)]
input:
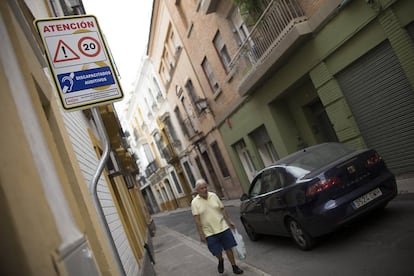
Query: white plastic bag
[(240, 247)]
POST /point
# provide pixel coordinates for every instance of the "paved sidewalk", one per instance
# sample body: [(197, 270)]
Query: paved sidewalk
[(179, 255), (405, 184)]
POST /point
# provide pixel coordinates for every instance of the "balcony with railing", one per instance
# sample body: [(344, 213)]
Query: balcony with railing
[(193, 131), (151, 168), (169, 154), (280, 28)]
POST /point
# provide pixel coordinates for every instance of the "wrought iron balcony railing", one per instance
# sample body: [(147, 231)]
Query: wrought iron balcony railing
[(151, 168), (168, 153), (277, 20), (190, 127)]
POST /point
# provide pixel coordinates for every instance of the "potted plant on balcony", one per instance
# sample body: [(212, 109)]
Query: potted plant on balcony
[(250, 10)]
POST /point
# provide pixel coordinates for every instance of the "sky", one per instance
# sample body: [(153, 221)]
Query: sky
[(125, 25)]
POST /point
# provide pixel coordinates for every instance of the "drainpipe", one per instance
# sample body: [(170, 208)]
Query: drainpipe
[(94, 183)]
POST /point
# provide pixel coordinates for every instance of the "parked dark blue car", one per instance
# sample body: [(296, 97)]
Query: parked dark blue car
[(314, 191)]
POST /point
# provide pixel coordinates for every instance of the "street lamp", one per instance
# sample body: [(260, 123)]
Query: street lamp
[(201, 104)]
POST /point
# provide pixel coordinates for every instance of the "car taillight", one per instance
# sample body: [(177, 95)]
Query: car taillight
[(321, 186), (372, 160)]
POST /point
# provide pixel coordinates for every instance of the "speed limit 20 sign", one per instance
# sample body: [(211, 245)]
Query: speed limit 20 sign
[(78, 58)]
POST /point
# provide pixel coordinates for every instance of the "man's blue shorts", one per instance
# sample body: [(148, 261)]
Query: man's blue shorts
[(221, 241)]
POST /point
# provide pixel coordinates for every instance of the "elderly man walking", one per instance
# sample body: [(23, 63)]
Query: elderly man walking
[(213, 224)]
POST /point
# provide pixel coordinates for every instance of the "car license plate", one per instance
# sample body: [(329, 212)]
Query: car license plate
[(368, 197)]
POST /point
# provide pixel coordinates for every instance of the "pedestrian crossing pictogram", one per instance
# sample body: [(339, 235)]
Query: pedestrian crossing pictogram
[(64, 53)]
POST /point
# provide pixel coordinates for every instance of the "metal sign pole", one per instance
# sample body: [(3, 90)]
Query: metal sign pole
[(94, 183)]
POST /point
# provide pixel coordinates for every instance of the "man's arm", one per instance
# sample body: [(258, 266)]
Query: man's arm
[(199, 228), (228, 219)]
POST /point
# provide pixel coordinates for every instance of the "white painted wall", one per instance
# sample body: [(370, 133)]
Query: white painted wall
[(77, 125)]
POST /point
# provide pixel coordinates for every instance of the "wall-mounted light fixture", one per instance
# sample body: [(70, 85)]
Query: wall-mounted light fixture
[(201, 104), (178, 91)]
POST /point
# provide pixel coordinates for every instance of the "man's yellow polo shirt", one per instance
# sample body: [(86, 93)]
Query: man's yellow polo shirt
[(210, 212)]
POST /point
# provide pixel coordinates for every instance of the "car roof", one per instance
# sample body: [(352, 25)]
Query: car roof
[(287, 160)]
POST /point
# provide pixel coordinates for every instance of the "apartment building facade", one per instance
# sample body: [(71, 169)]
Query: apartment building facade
[(201, 151), (59, 215), (318, 71), (164, 182), (294, 73)]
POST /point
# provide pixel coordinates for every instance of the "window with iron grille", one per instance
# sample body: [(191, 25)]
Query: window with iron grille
[(240, 29), (170, 131), (200, 168), (158, 141), (164, 73), (136, 134), (220, 160), (148, 152), (177, 184), (148, 107), (181, 121), (222, 51), (189, 173), (210, 75), (157, 88), (168, 60), (191, 91), (174, 43)]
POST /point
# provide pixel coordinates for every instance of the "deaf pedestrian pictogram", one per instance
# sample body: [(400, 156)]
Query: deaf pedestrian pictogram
[(64, 53), (67, 82)]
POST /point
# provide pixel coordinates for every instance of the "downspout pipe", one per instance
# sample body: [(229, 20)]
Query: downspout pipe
[(94, 184)]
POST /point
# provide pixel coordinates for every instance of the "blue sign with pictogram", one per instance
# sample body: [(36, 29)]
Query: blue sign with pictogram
[(88, 79)]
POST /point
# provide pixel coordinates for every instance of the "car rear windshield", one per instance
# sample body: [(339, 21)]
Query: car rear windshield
[(319, 156)]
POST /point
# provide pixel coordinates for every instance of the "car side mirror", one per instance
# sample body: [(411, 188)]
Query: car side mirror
[(244, 197)]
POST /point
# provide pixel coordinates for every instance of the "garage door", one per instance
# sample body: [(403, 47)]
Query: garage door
[(382, 102)]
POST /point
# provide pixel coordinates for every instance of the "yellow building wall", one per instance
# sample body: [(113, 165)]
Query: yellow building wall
[(29, 236)]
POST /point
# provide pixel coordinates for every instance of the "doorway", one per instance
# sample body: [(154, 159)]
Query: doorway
[(319, 122), (212, 174)]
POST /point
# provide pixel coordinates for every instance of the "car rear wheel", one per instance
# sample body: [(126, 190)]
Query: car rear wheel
[(250, 231), (300, 236)]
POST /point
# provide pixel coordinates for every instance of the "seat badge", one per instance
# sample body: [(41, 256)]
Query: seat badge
[(351, 169)]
